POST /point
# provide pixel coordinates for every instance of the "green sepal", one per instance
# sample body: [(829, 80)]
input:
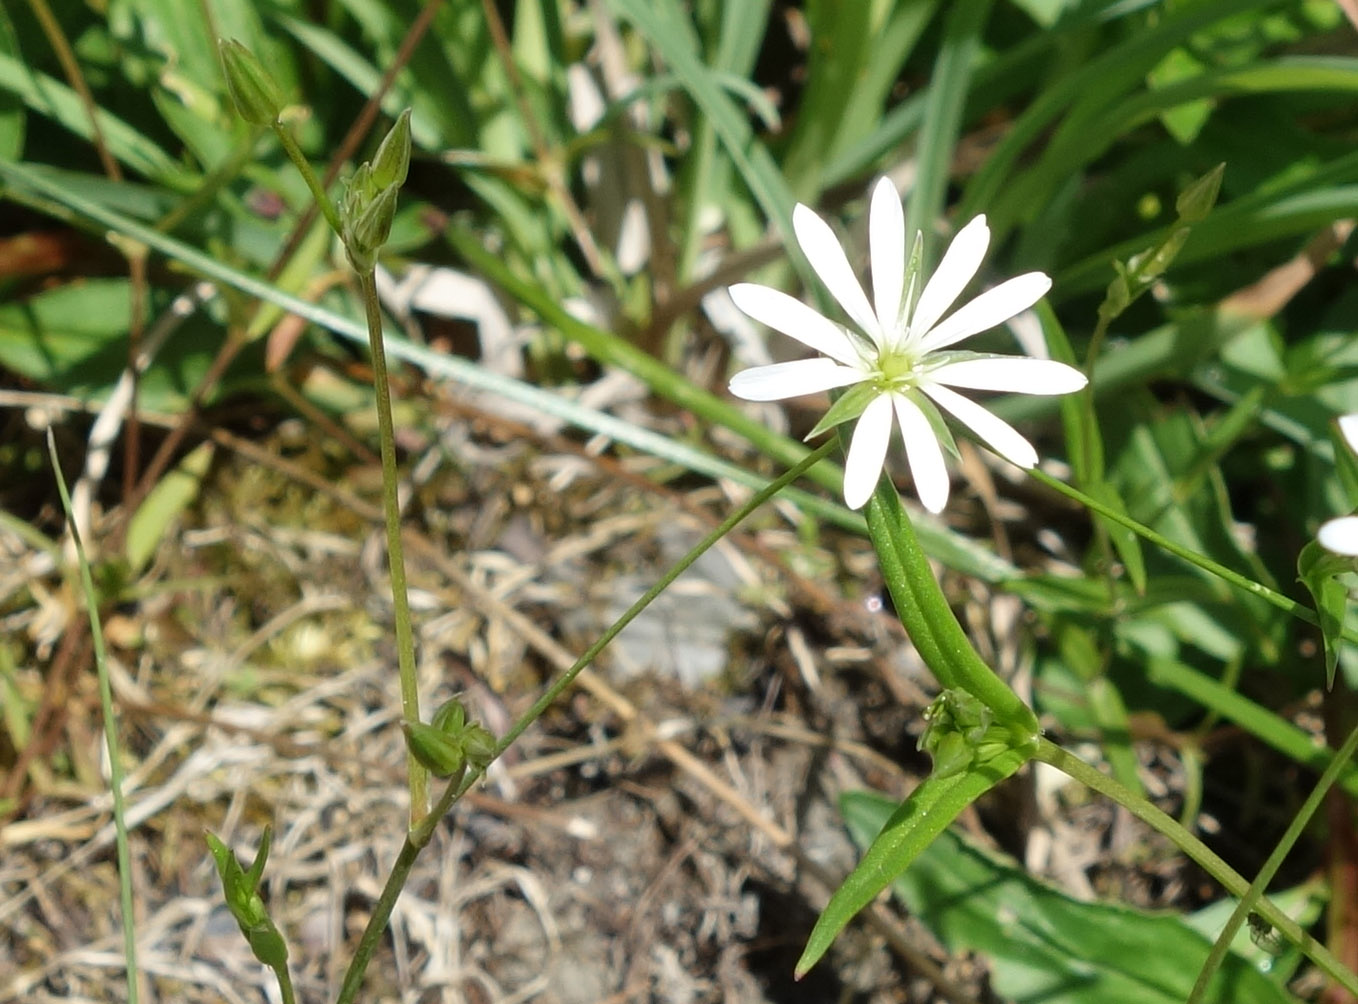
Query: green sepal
[(440, 753), (256, 95), (240, 892), (450, 718), (937, 425), (845, 408), (268, 944), (1197, 200), (478, 745), (962, 734), (391, 162)]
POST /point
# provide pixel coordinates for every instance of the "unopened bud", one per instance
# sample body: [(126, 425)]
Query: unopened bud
[(440, 753), (392, 160), (255, 93)]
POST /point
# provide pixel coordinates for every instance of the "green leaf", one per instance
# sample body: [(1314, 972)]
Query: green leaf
[(1042, 945), (13, 119), (163, 504), (1125, 541), (903, 836), (1319, 571), (49, 97)]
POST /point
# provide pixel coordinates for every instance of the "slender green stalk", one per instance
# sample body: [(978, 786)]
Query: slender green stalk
[(285, 985), (1289, 606), (318, 192), (391, 508), (115, 757), (1071, 765), (422, 831), (1275, 860)]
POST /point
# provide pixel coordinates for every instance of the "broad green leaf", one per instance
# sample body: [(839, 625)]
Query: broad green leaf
[(163, 505), (901, 836), (51, 98), (73, 338), (1042, 945)]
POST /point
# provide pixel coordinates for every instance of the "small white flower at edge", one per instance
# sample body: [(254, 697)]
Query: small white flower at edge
[(894, 359), (1341, 535)]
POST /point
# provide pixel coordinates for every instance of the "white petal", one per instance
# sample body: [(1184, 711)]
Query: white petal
[(1003, 438), (987, 310), (1013, 373), (784, 380), (886, 248), (867, 452), (1340, 536), (923, 453), (822, 250), (957, 268), (795, 319), (1348, 427)]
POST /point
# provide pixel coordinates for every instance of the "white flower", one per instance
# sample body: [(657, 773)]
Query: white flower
[(895, 352), (1341, 535)]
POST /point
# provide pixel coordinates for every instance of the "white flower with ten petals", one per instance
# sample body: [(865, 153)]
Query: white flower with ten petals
[(1341, 535), (895, 361)]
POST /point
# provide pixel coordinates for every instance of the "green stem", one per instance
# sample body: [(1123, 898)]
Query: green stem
[(115, 756), (1272, 596), (422, 831), (299, 161), (929, 620), (391, 508), (1049, 753), (285, 984), (1275, 860)]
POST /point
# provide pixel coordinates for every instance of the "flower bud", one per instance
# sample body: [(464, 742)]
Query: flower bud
[(1197, 200), (239, 890), (440, 753), (478, 745), (392, 160), (257, 96)]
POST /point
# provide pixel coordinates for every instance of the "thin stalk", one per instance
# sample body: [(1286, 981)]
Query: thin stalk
[(422, 831), (1275, 860), (285, 985), (115, 757), (318, 192), (1231, 880), (1272, 596), (391, 507)]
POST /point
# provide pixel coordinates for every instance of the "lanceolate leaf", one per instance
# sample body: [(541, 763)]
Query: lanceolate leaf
[(909, 830), (1042, 945)]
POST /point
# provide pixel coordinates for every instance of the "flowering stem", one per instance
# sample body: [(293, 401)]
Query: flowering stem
[(115, 756), (1277, 599), (1275, 860), (421, 831), (299, 161), (1071, 765), (928, 619), (391, 507)]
